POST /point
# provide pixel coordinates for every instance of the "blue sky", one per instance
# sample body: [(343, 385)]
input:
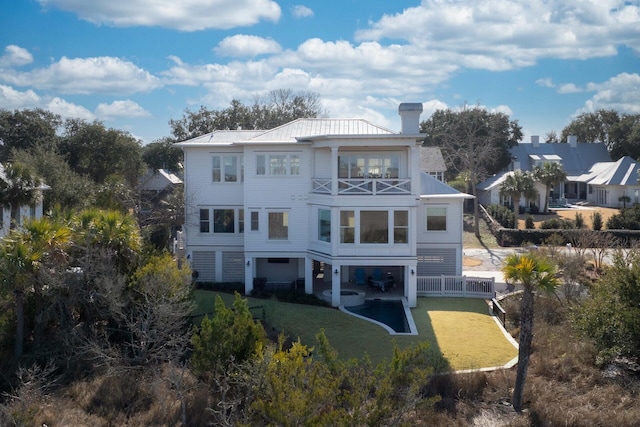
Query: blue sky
[(135, 64)]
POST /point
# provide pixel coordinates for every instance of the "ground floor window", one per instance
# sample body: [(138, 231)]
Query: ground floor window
[(436, 219)]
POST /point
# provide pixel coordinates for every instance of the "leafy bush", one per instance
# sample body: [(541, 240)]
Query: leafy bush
[(231, 335), (503, 215), (596, 221), (557, 224), (528, 223), (627, 219), (579, 220)]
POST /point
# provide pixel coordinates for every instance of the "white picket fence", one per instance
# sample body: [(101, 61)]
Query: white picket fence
[(456, 286)]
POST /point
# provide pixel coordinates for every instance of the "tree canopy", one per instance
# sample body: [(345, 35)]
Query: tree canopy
[(619, 132), (276, 108)]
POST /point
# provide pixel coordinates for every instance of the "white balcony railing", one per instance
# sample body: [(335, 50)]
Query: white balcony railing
[(456, 286), (368, 186)]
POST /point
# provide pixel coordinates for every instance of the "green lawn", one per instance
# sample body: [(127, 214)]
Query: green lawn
[(460, 328)]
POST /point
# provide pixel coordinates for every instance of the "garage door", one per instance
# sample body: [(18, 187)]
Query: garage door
[(436, 262), (233, 266), (205, 264)]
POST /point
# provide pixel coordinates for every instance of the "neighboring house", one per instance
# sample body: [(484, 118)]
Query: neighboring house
[(608, 182), (576, 159), (432, 162), (30, 211), (153, 186), (342, 193)]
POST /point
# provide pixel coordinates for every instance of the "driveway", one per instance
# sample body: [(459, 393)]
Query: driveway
[(487, 263)]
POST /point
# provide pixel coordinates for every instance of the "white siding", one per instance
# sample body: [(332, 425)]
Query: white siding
[(453, 234)]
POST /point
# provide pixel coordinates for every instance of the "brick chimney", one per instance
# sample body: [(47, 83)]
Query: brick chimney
[(410, 117)]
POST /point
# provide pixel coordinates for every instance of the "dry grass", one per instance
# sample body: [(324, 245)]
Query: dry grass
[(570, 214)]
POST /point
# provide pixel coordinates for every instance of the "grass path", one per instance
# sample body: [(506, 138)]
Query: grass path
[(459, 328)]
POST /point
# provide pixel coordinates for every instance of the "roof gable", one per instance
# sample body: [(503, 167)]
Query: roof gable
[(575, 160)]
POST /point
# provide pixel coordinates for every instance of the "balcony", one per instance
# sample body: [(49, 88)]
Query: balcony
[(366, 186)]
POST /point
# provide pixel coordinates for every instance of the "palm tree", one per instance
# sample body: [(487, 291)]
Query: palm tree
[(516, 185), (19, 186), (40, 245), (533, 273), (549, 174)]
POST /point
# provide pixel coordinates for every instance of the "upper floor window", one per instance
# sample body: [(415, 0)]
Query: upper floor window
[(436, 219), (437, 175), (278, 164), (224, 221), (400, 227), (380, 165), (228, 168), (279, 225), (204, 220)]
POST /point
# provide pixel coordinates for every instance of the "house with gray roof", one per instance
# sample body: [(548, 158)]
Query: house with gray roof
[(318, 200), (577, 160)]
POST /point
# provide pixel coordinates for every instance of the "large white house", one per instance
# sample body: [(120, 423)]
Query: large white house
[(342, 193)]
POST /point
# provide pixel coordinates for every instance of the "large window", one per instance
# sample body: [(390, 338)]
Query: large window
[(324, 225), (223, 221), (374, 227), (382, 165), (278, 225), (278, 164), (437, 219), (204, 220), (228, 168), (347, 227), (400, 227)]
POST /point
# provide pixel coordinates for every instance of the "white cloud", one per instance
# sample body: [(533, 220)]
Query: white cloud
[(545, 82), (67, 109), (11, 99), (87, 76), (125, 108), (184, 15), (300, 11), (15, 56), (242, 45), (506, 34), (569, 88), (620, 93)]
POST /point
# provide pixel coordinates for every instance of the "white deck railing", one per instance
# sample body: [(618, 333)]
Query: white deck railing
[(456, 286), (371, 186)]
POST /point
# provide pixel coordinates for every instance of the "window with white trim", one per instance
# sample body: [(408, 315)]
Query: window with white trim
[(347, 226), (436, 218), (227, 168), (279, 225), (324, 225), (400, 226), (278, 164), (255, 221), (204, 221), (374, 165)]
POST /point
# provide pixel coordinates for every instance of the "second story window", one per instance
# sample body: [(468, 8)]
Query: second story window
[(278, 164), (204, 220), (227, 168), (255, 221), (324, 225), (437, 219)]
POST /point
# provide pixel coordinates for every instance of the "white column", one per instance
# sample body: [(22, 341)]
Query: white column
[(335, 285), (308, 275), (334, 171), (248, 275), (412, 285)]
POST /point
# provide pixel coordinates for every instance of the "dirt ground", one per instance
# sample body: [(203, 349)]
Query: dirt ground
[(586, 212)]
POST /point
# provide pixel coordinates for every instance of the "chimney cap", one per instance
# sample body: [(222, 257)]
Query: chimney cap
[(410, 106)]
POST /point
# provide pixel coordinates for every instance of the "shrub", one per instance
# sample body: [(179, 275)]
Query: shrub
[(596, 221), (502, 215), (627, 219), (528, 223), (230, 335), (579, 220), (557, 224)]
